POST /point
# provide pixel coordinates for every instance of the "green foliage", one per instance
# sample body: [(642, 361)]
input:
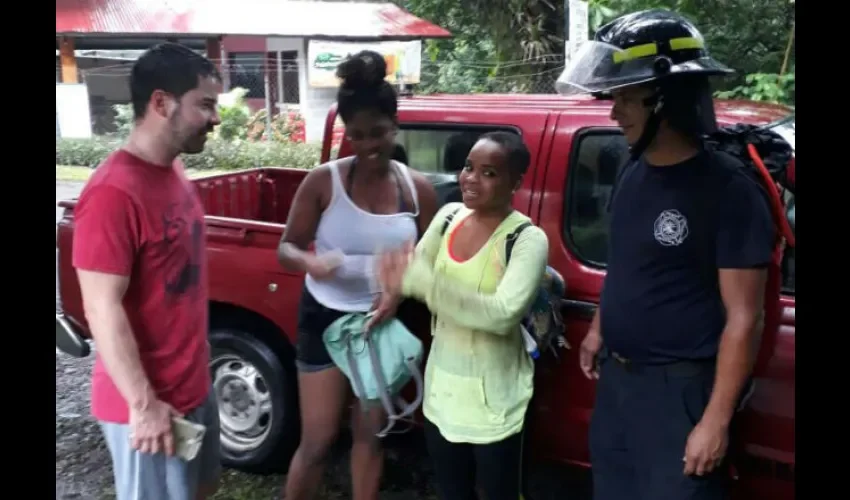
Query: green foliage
[(84, 152), (770, 87), (285, 127), (598, 14), (218, 154), (234, 113), (511, 45), (498, 45), (454, 74), (233, 155), (123, 119)]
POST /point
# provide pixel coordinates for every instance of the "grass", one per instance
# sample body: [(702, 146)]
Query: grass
[(240, 486), (70, 173)]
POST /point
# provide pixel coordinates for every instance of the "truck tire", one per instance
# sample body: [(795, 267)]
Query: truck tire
[(257, 394)]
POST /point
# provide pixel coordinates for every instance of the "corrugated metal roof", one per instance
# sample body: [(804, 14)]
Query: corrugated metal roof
[(359, 21)]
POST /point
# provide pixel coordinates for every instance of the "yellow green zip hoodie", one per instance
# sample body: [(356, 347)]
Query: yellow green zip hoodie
[(478, 378)]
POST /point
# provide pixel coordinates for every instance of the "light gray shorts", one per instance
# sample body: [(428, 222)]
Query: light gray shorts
[(140, 476)]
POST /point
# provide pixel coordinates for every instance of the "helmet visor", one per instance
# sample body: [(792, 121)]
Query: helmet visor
[(602, 67)]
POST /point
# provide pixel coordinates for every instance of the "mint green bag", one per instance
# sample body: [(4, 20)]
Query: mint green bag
[(378, 365)]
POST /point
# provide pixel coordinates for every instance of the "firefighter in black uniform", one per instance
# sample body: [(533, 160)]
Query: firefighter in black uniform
[(676, 333)]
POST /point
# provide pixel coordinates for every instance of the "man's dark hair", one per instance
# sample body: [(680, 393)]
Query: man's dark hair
[(169, 67), (519, 158), (364, 86)]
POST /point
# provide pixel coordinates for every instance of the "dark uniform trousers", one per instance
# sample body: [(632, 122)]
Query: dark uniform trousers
[(641, 421)]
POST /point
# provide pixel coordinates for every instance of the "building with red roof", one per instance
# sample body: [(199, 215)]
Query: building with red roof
[(281, 51)]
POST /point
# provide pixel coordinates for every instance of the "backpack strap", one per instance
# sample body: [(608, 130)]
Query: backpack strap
[(511, 239), (708, 203), (448, 220)]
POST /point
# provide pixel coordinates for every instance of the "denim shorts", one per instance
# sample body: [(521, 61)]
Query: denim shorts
[(313, 319)]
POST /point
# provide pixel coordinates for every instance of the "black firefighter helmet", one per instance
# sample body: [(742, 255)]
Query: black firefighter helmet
[(653, 47), (638, 48)]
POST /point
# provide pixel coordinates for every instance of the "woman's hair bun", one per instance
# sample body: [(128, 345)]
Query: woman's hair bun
[(362, 70)]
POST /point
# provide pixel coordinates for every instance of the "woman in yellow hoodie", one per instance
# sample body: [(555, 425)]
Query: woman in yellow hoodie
[(479, 377)]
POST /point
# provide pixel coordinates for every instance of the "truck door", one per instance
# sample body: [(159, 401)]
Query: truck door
[(587, 151)]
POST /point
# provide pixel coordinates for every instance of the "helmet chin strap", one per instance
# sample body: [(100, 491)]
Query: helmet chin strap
[(650, 128)]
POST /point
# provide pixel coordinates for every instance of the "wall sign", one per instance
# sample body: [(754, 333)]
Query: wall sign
[(404, 60)]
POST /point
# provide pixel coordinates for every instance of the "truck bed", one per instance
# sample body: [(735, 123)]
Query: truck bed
[(245, 209), (260, 195)]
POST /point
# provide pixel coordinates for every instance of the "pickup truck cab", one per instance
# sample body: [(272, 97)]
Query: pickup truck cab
[(575, 152)]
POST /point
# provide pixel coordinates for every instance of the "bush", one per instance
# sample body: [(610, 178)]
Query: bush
[(84, 152), (233, 155), (234, 114), (285, 127), (218, 154), (123, 119)]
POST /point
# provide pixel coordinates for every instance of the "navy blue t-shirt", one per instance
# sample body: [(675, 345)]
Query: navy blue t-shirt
[(672, 227)]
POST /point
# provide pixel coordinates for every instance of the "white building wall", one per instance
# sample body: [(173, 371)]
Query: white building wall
[(318, 102)]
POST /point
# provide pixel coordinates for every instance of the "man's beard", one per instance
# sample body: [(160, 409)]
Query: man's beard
[(192, 143), (195, 143)]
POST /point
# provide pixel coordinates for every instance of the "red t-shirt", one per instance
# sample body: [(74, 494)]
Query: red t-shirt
[(145, 221)]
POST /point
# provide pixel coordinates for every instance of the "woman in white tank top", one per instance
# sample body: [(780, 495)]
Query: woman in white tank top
[(352, 208)]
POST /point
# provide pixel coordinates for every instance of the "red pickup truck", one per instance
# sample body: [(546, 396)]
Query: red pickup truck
[(575, 150)]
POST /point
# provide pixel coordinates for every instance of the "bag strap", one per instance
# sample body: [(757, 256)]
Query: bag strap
[(511, 239), (406, 409), (448, 220), (708, 201), (387, 400)]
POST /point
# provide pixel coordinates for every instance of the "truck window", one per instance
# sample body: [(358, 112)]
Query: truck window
[(438, 150), (596, 158)]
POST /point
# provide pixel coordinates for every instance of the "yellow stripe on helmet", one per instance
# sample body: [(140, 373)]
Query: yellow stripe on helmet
[(651, 49), (636, 52), (686, 42)]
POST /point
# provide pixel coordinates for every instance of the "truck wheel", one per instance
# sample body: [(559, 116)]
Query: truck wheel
[(257, 393)]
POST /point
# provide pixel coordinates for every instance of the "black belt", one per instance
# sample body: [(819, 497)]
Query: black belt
[(682, 367)]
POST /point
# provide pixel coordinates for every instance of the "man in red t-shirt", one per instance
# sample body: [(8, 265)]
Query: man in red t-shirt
[(139, 254)]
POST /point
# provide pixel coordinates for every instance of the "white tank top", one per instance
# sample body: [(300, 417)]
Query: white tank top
[(360, 235)]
